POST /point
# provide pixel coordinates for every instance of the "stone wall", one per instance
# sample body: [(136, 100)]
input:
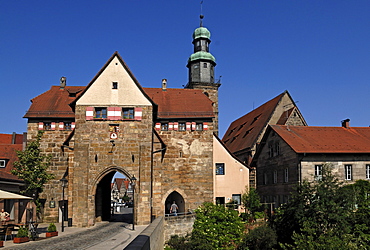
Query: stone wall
[(151, 238), (178, 225)]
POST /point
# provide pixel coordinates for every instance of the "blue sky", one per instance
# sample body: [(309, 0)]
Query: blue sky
[(317, 50)]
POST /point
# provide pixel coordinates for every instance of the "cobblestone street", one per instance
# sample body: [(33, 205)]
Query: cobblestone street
[(113, 235)]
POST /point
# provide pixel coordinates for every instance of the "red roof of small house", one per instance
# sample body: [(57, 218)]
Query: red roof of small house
[(54, 103), (181, 103), (8, 138), (309, 139), (243, 132)]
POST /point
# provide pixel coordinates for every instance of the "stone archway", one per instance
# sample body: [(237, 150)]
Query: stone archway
[(103, 209), (178, 199)]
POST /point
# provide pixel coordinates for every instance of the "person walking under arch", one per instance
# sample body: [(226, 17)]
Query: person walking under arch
[(174, 208)]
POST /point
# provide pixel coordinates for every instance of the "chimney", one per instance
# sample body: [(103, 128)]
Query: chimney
[(164, 84), (14, 136), (63, 82), (345, 123)]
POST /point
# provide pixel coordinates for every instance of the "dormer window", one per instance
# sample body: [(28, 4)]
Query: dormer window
[(114, 85), (2, 163)]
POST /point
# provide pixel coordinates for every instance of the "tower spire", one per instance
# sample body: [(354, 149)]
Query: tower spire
[(201, 14)]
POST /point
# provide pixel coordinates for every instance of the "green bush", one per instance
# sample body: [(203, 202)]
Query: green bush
[(22, 232), (178, 243), (52, 228), (262, 237)]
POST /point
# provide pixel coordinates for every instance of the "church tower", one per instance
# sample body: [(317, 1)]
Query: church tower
[(201, 66)]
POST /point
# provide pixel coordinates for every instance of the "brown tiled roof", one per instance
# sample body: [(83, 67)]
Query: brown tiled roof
[(54, 103), (181, 103), (119, 182), (243, 132), (308, 139), (7, 138), (8, 153)]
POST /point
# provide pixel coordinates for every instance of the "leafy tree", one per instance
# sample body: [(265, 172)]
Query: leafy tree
[(216, 227), (250, 200), (31, 167), (318, 211), (262, 237)]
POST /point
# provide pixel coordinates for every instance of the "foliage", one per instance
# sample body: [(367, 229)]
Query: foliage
[(31, 167), (125, 198), (52, 228), (22, 232), (178, 243), (262, 237), (216, 227), (250, 200), (317, 216)]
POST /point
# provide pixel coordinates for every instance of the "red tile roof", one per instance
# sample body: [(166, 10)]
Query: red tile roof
[(8, 153), (54, 103), (243, 132), (308, 139), (7, 138), (181, 103)]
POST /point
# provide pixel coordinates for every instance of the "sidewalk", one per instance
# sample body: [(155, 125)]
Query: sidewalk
[(119, 239)]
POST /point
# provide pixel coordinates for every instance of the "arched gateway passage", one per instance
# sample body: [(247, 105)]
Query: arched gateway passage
[(178, 199), (104, 211)]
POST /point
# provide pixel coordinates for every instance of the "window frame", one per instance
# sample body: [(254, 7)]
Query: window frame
[(128, 113), (348, 172), (67, 127), (182, 126), (318, 172), (237, 197), (220, 168), (367, 171), (199, 126), (275, 176), (101, 112), (4, 163), (47, 126), (286, 175), (114, 85), (164, 126)]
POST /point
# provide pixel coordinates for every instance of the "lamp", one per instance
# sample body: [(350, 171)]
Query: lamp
[(133, 183), (64, 182)]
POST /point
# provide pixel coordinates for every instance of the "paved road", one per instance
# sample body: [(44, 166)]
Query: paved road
[(85, 239)]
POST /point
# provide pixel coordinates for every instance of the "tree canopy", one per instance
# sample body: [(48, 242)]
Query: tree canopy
[(31, 167)]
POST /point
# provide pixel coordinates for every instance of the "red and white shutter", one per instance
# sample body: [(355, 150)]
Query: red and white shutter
[(175, 126), (138, 113), (205, 125), (118, 113), (193, 126), (111, 115), (53, 126), (61, 125), (73, 125), (158, 126), (188, 126), (41, 125), (170, 126), (89, 113)]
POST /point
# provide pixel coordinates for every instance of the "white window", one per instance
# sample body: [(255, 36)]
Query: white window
[(275, 176), (348, 172), (286, 175), (318, 172), (367, 171), (2, 163)]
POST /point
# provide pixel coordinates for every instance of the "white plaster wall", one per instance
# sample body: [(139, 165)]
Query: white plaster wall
[(236, 176), (101, 92)]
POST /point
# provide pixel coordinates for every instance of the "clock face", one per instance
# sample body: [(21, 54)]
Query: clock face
[(113, 135)]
